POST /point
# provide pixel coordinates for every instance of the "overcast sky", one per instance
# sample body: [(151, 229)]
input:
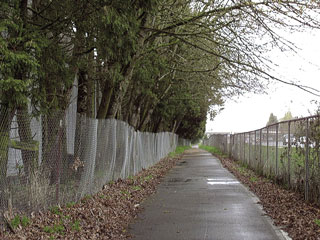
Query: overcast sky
[(251, 111)]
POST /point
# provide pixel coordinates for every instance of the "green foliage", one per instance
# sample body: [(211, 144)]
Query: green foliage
[(159, 65), (179, 150), (102, 196), (213, 150), (317, 221), (272, 119), (19, 49), (287, 116), (125, 192), (137, 188), (70, 204), (48, 229), (20, 221), (56, 210), (56, 228), (25, 221), (147, 178), (86, 197), (15, 222), (76, 226), (253, 179)]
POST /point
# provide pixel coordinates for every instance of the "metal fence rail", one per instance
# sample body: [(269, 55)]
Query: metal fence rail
[(61, 157), (288, 152)]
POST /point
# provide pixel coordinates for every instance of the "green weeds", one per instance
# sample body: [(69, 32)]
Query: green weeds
[(103, 196), (76, 226), (17, 221), (56, 210), (213, 150), (86, 198), (147, 178), (56, 228), (253, 179), (70, 204), (126, 193), (136, 188), (131, 177), (179, 150)]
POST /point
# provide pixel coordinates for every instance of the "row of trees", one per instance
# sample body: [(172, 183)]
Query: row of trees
[(160, 65), (273, 118)]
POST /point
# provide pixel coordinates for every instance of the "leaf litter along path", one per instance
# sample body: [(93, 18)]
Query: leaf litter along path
[(105, 215), (287, 209)]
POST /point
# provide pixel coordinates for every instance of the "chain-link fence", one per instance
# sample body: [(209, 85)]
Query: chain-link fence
[(288, 152), (61, 157)]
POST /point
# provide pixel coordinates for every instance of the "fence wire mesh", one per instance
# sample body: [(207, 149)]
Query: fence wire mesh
[(61, 157), (288, 152)]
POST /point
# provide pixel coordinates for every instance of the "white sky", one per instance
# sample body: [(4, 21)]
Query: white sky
[(251, 111)]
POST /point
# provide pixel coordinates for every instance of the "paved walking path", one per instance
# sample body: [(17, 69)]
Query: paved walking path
[(199, 199)]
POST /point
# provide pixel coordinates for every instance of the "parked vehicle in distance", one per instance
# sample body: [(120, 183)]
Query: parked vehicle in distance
[(303, 140), (297, 141), (285, 139)]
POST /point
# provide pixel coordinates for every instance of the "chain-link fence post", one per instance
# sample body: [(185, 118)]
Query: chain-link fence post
[(229, 145), (260, 151), (244, 147), (267, 160), (277, 148), (249, 148), (59, 160), (306, 191), (226, 148), (255, 147), (289, 151)]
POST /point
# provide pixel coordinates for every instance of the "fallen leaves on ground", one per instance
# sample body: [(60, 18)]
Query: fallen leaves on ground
[(289, 211), (105, 215)]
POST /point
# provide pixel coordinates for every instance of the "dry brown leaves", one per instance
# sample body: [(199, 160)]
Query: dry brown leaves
[(288, 209), (105, 215)]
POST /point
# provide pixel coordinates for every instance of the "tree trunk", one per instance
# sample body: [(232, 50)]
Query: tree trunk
[(122, 89), (105, 101), (157, 125), (91, 91), (28, 150), (146, 120), (51, 140), (176, 125)]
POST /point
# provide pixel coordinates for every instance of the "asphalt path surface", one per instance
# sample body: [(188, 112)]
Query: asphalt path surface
[(199, 199)]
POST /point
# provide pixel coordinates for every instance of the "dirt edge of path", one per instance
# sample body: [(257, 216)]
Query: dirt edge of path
[(105, 215)]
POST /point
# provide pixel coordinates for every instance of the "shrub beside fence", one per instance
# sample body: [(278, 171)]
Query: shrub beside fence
[(61, 157), (288, 152)]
